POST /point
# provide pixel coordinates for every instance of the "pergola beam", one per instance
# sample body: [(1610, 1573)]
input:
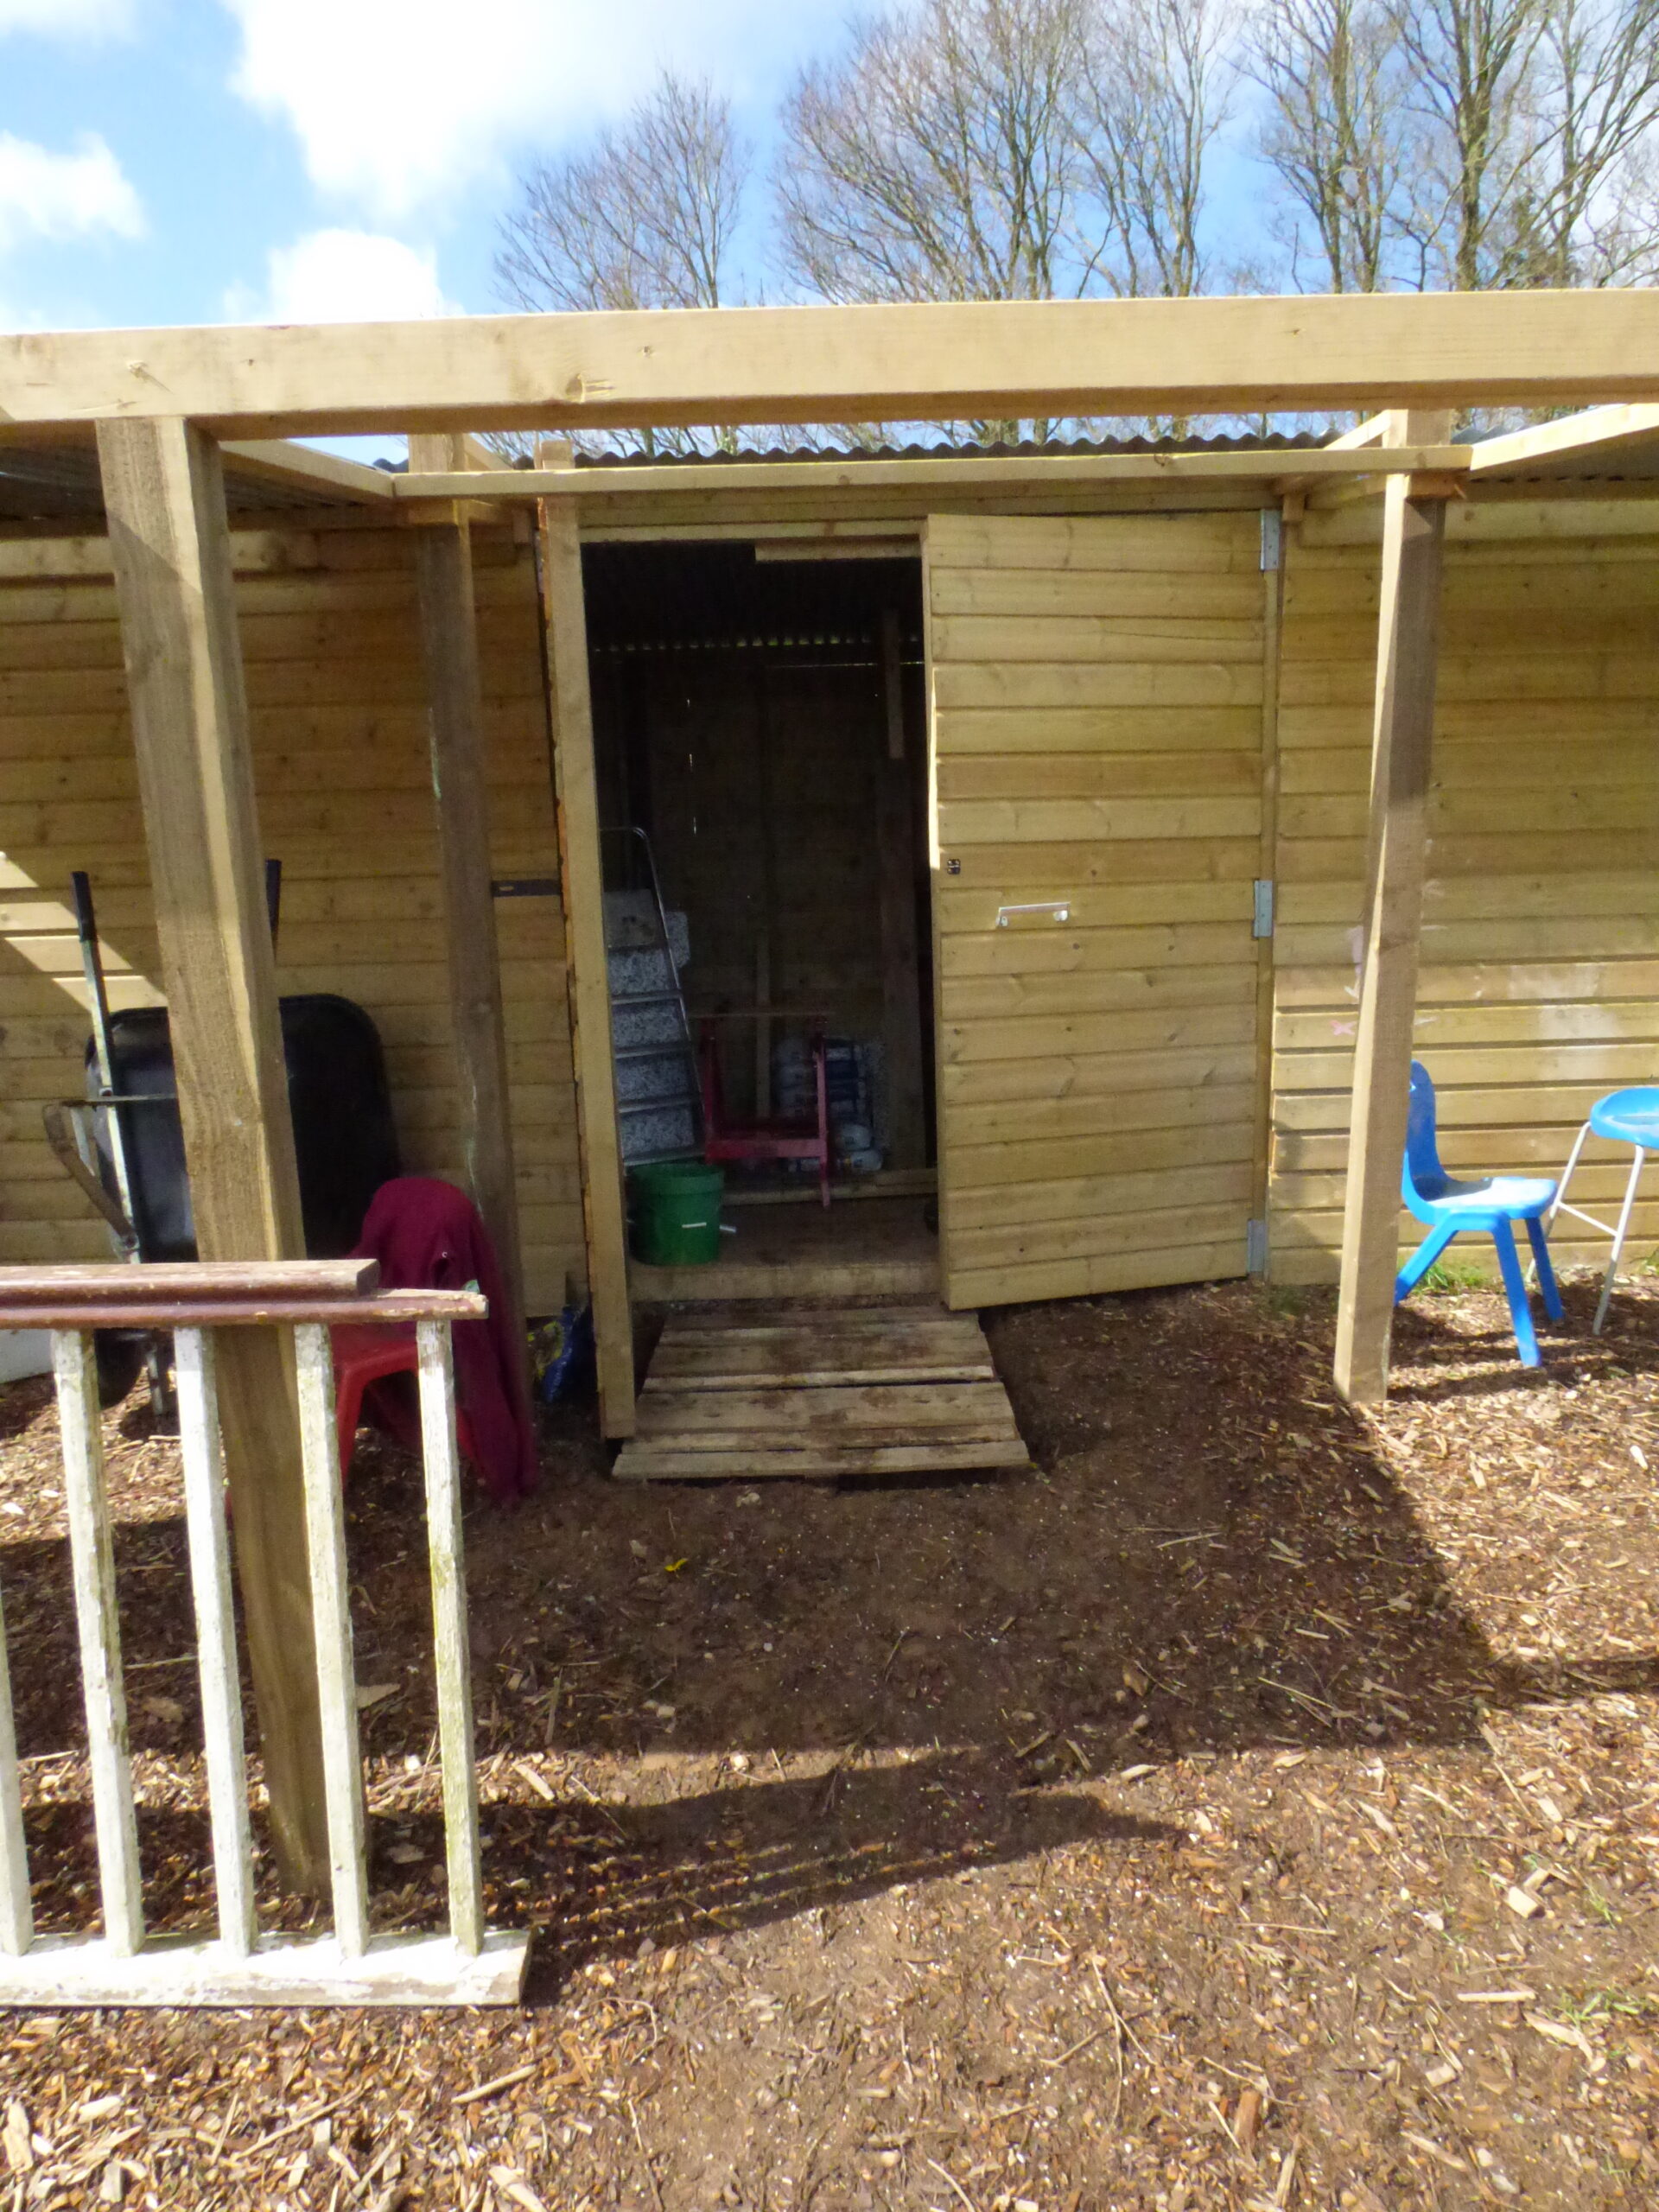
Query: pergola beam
[(1408, 639), (1600, 433), (851, 364)]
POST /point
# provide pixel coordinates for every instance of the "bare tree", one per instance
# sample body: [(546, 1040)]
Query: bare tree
[(1337, 128), (645, 218), (1470, 66), (1156, 87), (934, 160), (1595, 96)]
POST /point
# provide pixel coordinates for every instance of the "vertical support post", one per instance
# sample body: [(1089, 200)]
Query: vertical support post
[(443, 571), (451, 1652), (901, 1013), (169, 542), (91, 1560), (1273, 601), (16, 1916), (209, 1583), (583, 887), (325, 1530), (1414, 529)]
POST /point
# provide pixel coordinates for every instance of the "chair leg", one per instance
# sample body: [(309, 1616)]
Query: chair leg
[(348, 1407), (1509, 1260), (1560, 1198), (1422, 1259), (1546, 1272), (1619, 1235)]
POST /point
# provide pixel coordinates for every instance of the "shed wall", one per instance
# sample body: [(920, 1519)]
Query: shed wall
[(337, 700), (1540, 980)]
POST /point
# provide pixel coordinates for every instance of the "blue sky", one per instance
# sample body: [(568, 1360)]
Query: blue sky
[(204, 161)]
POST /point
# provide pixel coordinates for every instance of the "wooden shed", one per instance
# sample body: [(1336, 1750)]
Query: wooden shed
[(1147, 1007), (1048, 768)]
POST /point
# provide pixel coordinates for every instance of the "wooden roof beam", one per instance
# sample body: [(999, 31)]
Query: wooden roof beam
[(851, 364), (302, 468), (1600, 433)]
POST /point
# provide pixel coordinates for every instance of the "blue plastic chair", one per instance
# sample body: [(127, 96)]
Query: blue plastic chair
[(1624, 1117), (1493, 1204)]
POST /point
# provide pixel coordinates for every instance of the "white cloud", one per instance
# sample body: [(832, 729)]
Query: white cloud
[(343, 276), (46, 195), (68, 18), (417, 97)]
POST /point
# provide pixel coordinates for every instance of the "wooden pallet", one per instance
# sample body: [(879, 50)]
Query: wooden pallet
[(821, 1394)]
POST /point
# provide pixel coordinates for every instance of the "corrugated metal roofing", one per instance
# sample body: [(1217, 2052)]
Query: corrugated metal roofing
[(1274, 441)]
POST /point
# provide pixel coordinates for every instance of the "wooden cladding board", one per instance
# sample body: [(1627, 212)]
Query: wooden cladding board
[(1538, 984), (338, 710), (819, 1394), (1097, 690)]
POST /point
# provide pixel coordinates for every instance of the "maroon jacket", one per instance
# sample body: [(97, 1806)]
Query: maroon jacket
[(427, 1235)]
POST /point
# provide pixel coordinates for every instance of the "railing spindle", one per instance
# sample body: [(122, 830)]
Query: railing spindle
[(93, 1564), (223, 1743), (450, 1648), (325, 1523), (16, 1919)]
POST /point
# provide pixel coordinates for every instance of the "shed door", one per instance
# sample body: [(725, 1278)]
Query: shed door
[(1096, 691)]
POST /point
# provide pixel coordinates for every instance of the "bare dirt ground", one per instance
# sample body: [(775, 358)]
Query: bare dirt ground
[(1256, 1805)]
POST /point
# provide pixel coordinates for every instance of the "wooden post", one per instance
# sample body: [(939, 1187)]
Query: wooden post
[(443, 568), (583, 887), (1407, 639), (164, 491), (901, 1018)]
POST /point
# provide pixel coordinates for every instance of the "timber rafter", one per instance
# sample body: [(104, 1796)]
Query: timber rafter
[(851, 364)]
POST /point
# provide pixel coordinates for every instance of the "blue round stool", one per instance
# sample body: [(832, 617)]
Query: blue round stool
[(1623, 1118)]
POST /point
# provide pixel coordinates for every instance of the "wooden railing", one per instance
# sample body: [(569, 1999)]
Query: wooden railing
[(353, 1965)]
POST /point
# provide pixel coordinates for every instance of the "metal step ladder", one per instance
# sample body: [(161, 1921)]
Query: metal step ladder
[(658, 1091)]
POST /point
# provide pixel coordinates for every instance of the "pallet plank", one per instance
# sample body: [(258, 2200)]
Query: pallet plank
[(822, 1394), (658, 1462), (913, 1404)]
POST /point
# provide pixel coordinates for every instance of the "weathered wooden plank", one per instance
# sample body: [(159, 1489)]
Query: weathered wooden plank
[(980, 1406), (16, 1912), (325, 1528), (403, 1970), (451, 1651), (91, 1559), (201, 1281), (221, 1693), (822, 1463)]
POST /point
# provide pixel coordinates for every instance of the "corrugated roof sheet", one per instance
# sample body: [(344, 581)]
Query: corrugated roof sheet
[(1274, 441)]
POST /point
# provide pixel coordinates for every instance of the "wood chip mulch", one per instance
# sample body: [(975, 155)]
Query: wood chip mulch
[(1255, 1807)]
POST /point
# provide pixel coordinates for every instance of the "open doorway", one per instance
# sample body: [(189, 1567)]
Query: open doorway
[(760, 735)]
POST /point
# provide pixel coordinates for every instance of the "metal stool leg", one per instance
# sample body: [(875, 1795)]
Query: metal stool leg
[(1619, 1235), (1560, 1198)]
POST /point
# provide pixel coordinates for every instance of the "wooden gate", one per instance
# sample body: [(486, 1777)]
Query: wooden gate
[(1096, 763)]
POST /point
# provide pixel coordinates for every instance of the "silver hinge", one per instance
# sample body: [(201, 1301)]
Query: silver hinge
[(1273, 536), (1255, 1247), (1261, 907)]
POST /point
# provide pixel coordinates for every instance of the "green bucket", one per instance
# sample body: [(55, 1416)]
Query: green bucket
[(676, 1212)]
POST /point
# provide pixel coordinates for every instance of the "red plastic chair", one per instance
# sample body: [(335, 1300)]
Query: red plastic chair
[(757, 1139), (368, 1352)]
